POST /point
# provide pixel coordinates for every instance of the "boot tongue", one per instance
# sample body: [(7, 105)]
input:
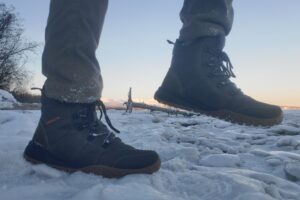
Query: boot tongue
[(92, 114), (221, 42), (216, 42)]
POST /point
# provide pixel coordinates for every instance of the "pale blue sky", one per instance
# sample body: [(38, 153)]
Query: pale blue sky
[(264, 45)]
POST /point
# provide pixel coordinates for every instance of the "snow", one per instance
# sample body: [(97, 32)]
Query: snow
[(202, 159), (221, 160), (293, 170), (6, 100)]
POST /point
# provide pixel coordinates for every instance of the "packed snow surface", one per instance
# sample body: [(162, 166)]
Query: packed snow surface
[(6, 100), (202, 159)]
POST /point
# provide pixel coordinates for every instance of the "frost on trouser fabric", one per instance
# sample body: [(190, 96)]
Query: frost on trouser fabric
[(202, 18), (209, 160), (86, 92)]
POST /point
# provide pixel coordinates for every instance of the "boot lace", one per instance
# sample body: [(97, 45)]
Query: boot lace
[(222, 70), (89, 120)]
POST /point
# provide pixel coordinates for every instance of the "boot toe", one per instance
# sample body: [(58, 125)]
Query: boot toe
[(264, 111), (257, 113), (137, 159)]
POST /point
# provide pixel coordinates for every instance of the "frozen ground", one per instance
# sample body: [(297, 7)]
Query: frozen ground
[(202, 159), (7, 100)]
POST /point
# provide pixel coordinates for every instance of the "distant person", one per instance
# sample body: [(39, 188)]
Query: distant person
[(70, 136)]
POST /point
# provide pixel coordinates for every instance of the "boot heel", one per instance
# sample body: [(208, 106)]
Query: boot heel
[(37, 154)]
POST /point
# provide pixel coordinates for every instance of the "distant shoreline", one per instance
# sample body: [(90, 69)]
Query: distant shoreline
[(290, 107)]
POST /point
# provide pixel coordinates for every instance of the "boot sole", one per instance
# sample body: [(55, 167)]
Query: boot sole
[(223, 114), (102, 170)]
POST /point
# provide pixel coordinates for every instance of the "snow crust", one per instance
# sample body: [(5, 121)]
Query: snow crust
[(6, 100), (202, 159)]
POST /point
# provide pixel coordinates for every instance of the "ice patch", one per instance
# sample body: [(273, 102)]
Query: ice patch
[(292, 171), (290, 141), (274, 162), (254, 196), (45, 171), (133, 191), (221, 160)]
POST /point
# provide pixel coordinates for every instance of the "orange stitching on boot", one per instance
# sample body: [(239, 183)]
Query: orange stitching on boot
[(51, 121)]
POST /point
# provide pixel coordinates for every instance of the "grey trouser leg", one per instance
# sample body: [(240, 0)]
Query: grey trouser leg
[(69, 61), (205, 18)]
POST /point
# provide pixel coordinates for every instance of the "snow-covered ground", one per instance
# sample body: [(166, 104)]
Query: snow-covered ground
[(202, 159), (7, 100)]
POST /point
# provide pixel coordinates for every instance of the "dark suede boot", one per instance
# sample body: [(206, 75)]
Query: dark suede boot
[(70, 137), (199, 80)]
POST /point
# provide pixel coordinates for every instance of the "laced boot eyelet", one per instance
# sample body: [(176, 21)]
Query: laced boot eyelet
[(80, 127), (82, 115), (220, 85), (90, 137), (210, 64), (233, 93), (106, 143), (209, 75)]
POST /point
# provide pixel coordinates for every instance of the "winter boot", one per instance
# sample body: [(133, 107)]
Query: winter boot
[(70, 137), (199, 80)]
